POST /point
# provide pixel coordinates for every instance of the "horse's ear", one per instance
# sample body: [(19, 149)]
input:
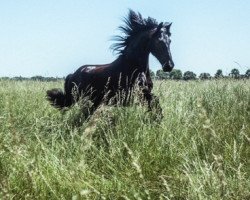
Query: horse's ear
[(156, 31), (168, 26), (160, 26)]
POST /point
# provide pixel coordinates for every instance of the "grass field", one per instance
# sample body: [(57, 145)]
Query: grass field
[(200, 149)]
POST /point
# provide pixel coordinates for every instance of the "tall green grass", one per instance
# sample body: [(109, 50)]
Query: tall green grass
[(199, 150)]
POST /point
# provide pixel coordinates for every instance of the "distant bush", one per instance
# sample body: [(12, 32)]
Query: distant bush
[(247, 74), (235, 73), (161, 75), (175, 74), (205, 76), (188, 75), (218, 74)]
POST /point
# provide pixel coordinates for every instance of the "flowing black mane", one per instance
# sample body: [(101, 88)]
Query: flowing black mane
[(134, 24)]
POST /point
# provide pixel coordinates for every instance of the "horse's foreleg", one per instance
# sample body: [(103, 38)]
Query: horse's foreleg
[(153, 103), (147, 95)]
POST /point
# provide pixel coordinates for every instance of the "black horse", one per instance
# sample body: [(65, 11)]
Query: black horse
[(100, 83)]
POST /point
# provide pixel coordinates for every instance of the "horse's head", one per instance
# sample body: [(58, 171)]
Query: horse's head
[(160, 45), (145, 35)]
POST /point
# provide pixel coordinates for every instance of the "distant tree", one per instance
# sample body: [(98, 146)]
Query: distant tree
[(37, 78), (235, 73), (18, 78), (188, 75), (242, 76), (247, 74), (50, 79), (152, 74), (218, 74), (160, 74), (205, 76), (5, 78), (175, 74)]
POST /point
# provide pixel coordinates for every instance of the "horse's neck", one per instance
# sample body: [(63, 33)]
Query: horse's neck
[(138, 61)]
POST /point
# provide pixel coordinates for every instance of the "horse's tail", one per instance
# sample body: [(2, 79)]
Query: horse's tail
[(58, 98)]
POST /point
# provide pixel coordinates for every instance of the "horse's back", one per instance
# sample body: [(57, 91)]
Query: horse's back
[(93, 68)]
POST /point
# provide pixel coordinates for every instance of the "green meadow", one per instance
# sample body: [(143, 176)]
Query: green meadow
[(199, 150)]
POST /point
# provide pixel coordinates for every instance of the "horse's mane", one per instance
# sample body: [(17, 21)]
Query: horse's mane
[(134, 24)]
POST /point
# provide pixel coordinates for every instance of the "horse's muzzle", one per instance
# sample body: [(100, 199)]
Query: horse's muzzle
[(168, 66)]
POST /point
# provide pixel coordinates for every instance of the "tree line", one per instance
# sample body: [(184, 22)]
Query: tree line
[(33, 78), (177, 74)]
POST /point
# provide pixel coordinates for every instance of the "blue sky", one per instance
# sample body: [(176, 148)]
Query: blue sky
[(54, 38)]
